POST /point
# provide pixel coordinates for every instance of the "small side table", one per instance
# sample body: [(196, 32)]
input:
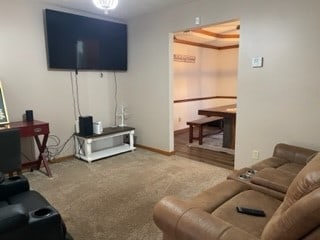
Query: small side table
[(86, 151), (35, 129)]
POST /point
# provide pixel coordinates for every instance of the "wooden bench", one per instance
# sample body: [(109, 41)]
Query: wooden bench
[(200, 123)]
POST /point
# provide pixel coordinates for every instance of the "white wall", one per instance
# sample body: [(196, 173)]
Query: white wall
[(29, 85), (277, 103), (214, 73)]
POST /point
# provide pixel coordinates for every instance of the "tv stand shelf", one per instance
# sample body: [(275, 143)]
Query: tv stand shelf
[(84, 144)]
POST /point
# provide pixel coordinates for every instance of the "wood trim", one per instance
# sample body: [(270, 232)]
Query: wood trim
[(195, 44), (216, 35), (61, 159), (204, 45), (203, 98), (155, 150), (229, 47), (183, 130)]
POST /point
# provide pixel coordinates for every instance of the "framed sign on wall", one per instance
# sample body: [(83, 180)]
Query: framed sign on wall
[(3, 109)]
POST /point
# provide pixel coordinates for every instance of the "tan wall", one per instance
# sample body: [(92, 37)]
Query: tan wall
[(29, 85), (276, 103)]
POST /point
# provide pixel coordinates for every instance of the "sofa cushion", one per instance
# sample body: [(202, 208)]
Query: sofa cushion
[(250, 199), (287, 158), (3, 204), (299, 213), (274, 179), (292, 153), (273, 162), (215, 196), (291, 167), (307, 180)]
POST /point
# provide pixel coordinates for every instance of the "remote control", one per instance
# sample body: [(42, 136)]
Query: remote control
[(251, 211)]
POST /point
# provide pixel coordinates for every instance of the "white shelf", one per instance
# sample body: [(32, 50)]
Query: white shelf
[(106, 152), (85, 151)]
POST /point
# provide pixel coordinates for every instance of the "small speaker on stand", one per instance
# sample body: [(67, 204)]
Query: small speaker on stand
[(29, 115), (85, 126)]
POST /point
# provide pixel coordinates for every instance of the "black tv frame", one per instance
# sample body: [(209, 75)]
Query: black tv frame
[(76, 42)]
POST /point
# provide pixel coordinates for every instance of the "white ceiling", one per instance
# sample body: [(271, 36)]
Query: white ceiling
[(217, 35), (126, 8)]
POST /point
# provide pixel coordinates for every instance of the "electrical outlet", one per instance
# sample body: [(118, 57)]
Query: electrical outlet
[(197, 20), (255, 154)]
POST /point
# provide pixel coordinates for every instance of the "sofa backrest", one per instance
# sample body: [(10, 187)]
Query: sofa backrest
[(293, 153), (299, 213)]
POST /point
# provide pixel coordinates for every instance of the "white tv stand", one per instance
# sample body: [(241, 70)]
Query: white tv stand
[(84, 144)]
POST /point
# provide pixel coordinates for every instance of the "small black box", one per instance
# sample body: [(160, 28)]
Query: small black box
[(29, 115), (85, 126)]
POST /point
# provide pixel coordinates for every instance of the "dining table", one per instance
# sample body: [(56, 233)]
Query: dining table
[(229, 113)]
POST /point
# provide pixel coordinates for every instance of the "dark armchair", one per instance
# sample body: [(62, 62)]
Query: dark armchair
[(10, 160), (26, 214)]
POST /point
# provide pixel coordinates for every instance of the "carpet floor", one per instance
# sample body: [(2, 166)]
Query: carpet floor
[(113, 198)]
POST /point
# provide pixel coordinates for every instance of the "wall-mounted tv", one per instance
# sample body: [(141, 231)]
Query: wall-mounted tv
[(76, 42)]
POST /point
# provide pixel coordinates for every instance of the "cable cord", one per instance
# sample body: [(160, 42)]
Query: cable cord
[(75, 95), (73, 98), (77, 91), (55, 149), (115, 98)]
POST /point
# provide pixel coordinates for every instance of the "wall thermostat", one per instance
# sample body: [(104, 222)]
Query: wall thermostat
[(257, 62)]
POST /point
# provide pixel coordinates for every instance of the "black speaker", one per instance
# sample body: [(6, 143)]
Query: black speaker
[(29, 115), (85, 126)]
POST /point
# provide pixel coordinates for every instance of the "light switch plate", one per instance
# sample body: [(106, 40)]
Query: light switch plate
[(257, 62)]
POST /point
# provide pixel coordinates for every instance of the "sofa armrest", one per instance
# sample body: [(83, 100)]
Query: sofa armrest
[(292, 153), (12, 216), (13, 185), (180, 219)]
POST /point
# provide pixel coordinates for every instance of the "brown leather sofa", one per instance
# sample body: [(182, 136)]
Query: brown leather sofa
[(274, 175), (291, 212)]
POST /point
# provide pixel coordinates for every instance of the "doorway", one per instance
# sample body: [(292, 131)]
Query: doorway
[(205, 68)]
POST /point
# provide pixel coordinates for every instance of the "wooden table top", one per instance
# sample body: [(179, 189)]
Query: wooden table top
[(224, 111)]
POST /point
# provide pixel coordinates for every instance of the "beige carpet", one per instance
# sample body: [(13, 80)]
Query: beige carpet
[(113, 198)]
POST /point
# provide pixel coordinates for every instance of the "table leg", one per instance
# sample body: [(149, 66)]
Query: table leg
[(131, 139), (229, 133), (190, 133), (41, 147), (200, 134)]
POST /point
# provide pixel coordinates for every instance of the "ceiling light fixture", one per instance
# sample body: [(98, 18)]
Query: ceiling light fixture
[(105, 5)]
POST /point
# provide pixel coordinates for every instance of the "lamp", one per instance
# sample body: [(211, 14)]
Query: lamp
[(105, 4)]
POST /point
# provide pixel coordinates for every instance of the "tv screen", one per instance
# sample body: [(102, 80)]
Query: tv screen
[(81, 43)]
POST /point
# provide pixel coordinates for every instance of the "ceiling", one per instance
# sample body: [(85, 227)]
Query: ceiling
[(219, 36), (125, 10)]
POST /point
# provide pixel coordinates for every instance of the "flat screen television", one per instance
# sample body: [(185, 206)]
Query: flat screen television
[(77, 42)]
